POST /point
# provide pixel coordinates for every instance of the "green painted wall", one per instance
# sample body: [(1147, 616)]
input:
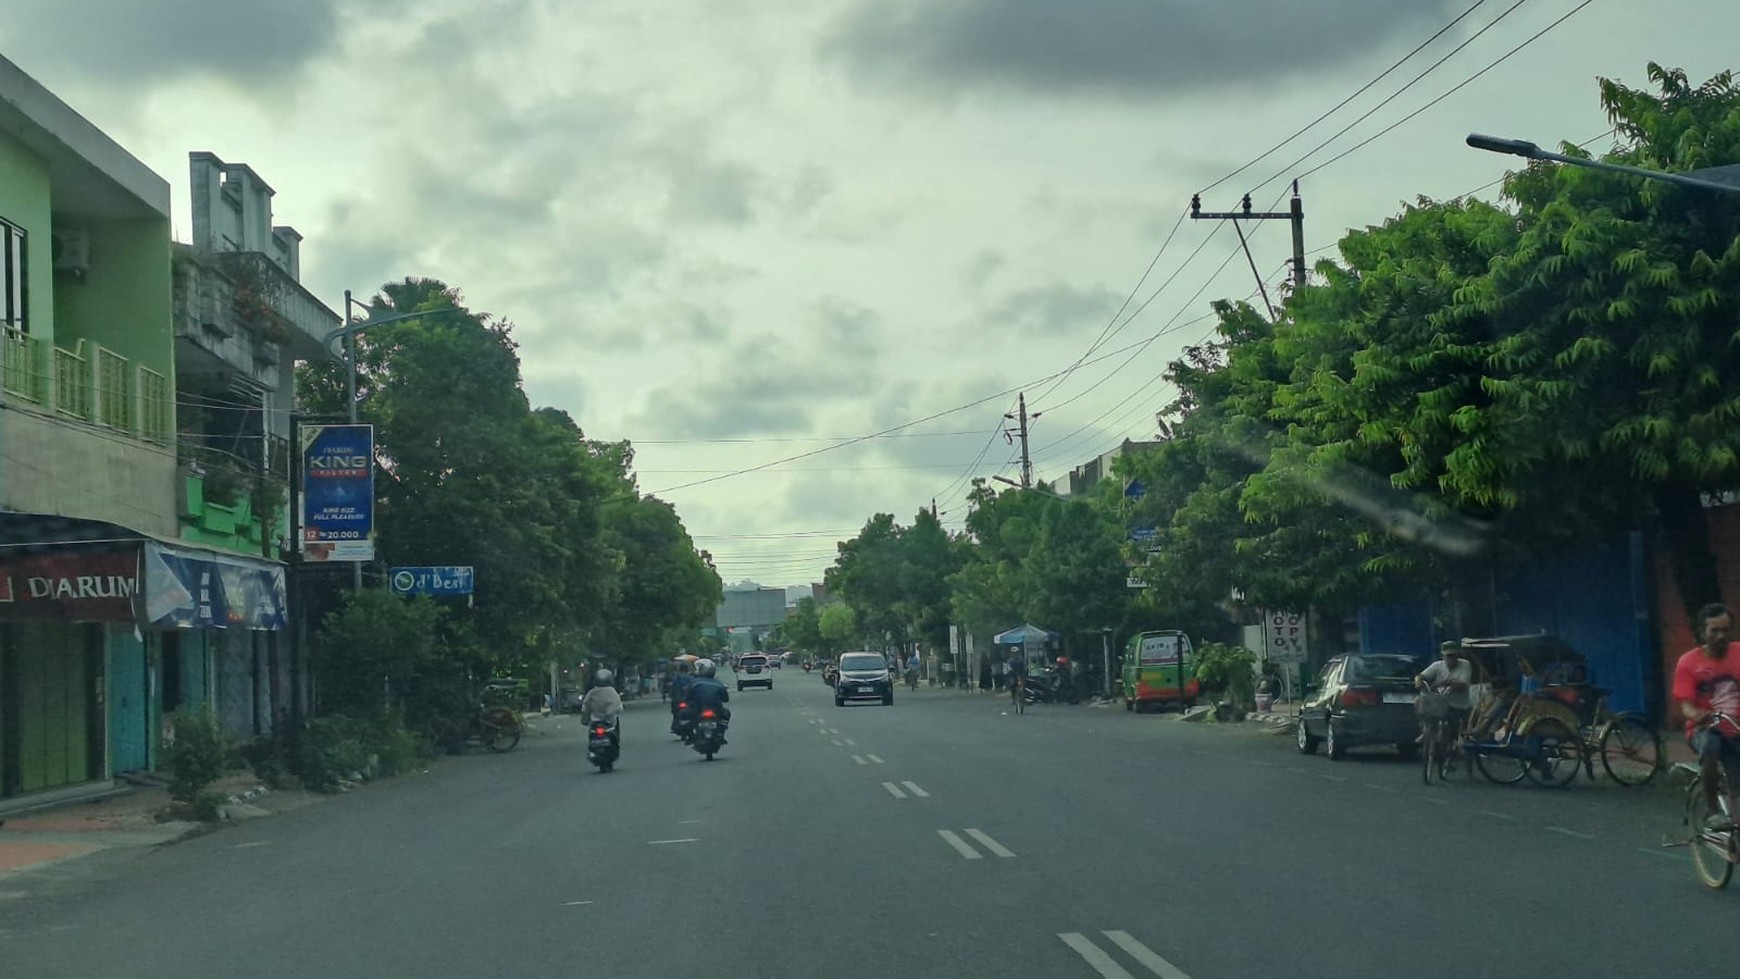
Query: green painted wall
[(233, 528), (24, 201), (125, 302)]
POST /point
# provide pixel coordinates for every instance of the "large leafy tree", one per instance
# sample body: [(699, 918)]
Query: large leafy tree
[(567, 553), (1615, 386)]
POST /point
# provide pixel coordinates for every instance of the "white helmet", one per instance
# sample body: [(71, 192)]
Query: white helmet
[(604, 676), (706, 667)]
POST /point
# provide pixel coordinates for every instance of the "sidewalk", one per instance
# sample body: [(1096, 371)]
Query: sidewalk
[(35, 839)]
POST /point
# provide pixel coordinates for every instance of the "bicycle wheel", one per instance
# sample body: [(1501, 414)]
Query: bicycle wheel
[(1631, 751), (1709, 848), (1555, 755), (501, 730), (1500, 768)]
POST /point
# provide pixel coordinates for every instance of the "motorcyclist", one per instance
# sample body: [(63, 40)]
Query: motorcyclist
[(603, 703), (679, 689), (706, 692)]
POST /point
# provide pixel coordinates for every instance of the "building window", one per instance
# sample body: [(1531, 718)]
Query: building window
[(12, 278)]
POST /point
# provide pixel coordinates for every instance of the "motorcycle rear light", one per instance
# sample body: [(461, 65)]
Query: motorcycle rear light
[(707, 714), (600, 730), (682, 705)]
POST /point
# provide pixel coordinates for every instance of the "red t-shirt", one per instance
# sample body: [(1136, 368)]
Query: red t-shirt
[(1710, 684)]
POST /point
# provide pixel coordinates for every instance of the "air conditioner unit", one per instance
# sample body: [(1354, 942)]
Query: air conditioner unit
[(72, 252)]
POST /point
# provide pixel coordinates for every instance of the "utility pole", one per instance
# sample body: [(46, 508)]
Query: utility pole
[(1023, 418), (1295, 214), (356, 583)]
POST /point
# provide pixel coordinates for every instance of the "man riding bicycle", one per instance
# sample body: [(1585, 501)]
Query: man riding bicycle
[(1452, 675), (1706, 682), (1017, 668)]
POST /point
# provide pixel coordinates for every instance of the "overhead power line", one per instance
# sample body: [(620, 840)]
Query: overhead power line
[(1574, 11), (1337, 107)]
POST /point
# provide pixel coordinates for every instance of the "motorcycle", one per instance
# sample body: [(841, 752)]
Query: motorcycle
[(1051, 687), (683, 724), (602, 748), (709, 734)]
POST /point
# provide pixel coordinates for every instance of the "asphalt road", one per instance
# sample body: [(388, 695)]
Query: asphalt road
[(939, 837)]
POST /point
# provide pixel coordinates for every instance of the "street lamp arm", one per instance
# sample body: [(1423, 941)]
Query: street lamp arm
[(1720, 179), (374, 321), (1033, 489)]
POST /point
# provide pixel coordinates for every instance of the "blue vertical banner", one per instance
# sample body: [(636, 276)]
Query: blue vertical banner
[(338, 493)]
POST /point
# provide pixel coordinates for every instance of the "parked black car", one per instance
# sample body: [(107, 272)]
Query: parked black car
[(1361, 699)]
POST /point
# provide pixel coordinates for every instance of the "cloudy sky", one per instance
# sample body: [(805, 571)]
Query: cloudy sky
[(737, 232)]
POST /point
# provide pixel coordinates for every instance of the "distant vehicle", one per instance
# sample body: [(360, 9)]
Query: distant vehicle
[(863, 676), (753, 671), (1154, 662)]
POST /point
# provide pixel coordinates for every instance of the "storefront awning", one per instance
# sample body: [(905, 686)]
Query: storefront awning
[(72, 570)]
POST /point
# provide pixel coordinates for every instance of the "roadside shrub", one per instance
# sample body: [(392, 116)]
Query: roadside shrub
[(198, 756), (207, 805), (1228, 671), (333, 748), (337, 746)]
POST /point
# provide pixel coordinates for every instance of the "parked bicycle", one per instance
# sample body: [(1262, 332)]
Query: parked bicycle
[(1630, 749), (495, 728)]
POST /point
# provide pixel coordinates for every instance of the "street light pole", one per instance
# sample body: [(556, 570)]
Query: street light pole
[(349, 332), (1720, 179), (1106, 661)]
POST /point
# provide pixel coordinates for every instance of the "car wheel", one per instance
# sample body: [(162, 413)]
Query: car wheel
[(839, 701), (1302, 737), (1337, 746), (740, 688), (888, 699), (1129, 705)]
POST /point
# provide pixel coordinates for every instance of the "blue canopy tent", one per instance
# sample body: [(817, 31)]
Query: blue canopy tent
[(1031, 640), (1021, 635)]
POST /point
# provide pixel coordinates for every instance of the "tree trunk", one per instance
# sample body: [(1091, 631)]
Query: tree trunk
[(1685, 533)]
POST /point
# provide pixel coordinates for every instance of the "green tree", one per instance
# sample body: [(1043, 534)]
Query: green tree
[(1615, 386), (839, 626)]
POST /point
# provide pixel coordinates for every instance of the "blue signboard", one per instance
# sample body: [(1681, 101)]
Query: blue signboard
[(338, 493), (1134, 490), (449, 579), (190, 589)]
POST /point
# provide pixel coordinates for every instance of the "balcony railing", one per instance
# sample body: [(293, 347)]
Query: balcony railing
[(22, 373), (114, 390), (156, 414), (72, 382), (98, 386)]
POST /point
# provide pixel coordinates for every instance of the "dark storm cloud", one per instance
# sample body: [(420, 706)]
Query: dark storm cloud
[(1125, 47), (1056, 310), (146, 41), (770, 384)]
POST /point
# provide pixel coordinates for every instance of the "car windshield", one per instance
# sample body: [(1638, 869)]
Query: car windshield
[(863, 663), (1386, 667), (753, 661)]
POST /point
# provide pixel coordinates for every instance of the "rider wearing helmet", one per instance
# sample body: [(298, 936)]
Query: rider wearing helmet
[(603, 703), (706, 692), (679, 689)]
